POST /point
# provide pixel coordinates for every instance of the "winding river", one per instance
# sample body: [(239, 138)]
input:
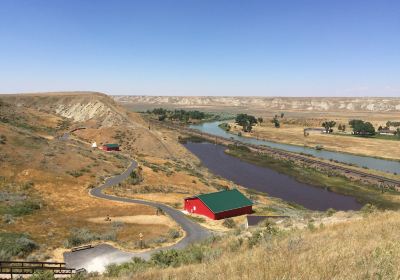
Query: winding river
[(268, 181), (361, 161)]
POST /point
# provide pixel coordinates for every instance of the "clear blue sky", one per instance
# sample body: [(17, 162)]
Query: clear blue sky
[(202, 47)]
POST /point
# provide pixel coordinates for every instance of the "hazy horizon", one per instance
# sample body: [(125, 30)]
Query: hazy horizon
[(194, 96), (202, 48)]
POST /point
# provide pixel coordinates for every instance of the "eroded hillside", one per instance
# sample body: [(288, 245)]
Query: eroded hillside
[(350, 104)]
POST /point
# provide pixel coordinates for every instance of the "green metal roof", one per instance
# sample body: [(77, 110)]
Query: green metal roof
[(111, 145), (224, 200)]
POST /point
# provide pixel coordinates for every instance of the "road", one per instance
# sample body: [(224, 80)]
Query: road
[(97, 258)]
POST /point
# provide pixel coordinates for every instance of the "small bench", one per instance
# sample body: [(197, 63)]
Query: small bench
[(80, 248)]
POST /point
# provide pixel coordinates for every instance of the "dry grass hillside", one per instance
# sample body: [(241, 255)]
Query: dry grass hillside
[(105, 120), (44, 181), (360, 248)]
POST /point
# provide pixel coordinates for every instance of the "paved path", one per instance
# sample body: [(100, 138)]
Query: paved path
[(97, 258)]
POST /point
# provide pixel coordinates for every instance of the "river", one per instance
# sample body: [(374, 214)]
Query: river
[(361, 161), (268, 181)]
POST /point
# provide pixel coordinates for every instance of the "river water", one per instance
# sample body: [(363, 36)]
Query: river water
[(268, 181), (361, 161)]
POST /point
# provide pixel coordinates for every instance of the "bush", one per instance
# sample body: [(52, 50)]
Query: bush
[(23, 208), (81, 236), (165, 258), (8, 219), (42, 275), (135, 177), (229, 223), (75, 173), (3, 139), (368, 208), (135, 265), (330, 212), (173, 234), (15, 245), (255, 239)]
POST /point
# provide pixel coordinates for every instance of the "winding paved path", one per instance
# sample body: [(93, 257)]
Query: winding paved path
[(97, 258)]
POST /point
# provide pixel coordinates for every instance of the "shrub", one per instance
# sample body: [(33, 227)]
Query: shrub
[(229, 223), (42, 275), (27, 185), (368, 208), (254, 239), (8, 219), (135, 177), (165, 258), (330, 212), (81, 236), (75, 173), (173, 234), (24, 208), (15, 245), (311, 226)]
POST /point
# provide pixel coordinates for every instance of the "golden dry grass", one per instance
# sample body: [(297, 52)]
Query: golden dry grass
[(360, 249), (66, 202)]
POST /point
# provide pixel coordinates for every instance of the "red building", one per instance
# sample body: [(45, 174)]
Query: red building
[(110, 147), (219, 205)]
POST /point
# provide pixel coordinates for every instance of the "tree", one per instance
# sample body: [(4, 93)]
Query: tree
[(276, 122), (260, 120), (339, 127), (362, 128), (246, 121), (328, 126), (398, 133), (282, 115)]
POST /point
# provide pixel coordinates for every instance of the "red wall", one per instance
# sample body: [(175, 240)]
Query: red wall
[(202, 209), (234, 212), (105, 148)]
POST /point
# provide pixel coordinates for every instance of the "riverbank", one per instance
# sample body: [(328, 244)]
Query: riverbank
[(294, 135), (329, 180), (389, 167)]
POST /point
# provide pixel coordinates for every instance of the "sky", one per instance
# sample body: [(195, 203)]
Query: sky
[(201, 47)]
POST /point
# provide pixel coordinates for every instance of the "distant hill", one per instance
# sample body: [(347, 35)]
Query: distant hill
[(367, 104)]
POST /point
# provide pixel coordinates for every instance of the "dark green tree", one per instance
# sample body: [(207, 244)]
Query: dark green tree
[(362, 128), (245, 121), (276, 122), (328, 125)]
